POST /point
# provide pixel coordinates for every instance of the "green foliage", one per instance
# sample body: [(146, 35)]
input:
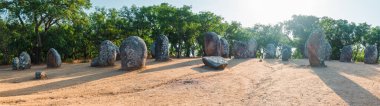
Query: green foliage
[(36, 26)]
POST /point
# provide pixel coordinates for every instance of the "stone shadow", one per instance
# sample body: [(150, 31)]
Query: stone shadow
[(351, 92), (61, 84)]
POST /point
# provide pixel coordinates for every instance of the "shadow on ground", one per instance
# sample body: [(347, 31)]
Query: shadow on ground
[(61, 84), (351, 92)]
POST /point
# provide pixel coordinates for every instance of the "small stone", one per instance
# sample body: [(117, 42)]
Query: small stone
[(215, 62), (40, 75), (370, 54)]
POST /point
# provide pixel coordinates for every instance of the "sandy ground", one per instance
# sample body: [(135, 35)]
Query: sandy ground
[(189, 82)]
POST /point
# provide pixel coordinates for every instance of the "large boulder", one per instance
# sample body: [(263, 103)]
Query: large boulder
[(162, 48), (316, 49), (252, 48), (370, 54), (240, 49), (107, 54), (346, 54), (328, 51), (25, 61), (270, 51), (286, 53), (15, 63), (225, 50), (216, 62), (212, 44), (53, 58), (133, 53)]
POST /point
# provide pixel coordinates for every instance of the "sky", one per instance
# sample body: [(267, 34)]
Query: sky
[(250, 12)]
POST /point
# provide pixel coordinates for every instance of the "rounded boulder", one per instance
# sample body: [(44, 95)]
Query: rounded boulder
[(53, 58), (212, 44), (133, 53)]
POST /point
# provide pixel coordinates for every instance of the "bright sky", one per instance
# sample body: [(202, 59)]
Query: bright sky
[(250, 12)]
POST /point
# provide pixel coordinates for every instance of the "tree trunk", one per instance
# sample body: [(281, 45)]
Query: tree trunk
[(5, 57), (38, 47)]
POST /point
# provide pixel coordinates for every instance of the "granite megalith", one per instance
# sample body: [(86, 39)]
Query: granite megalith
[(53, 58), (212, 44), (346, 54), (370, 54), (316, 48), (133, 53), (162, 48)]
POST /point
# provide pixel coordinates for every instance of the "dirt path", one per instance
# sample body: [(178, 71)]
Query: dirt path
[(188, 82)]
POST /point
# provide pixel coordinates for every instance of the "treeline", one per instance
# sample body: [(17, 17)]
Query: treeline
[(36, 26)]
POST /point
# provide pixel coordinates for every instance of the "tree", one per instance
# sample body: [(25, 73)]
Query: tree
[(42, 14), (300, 28)]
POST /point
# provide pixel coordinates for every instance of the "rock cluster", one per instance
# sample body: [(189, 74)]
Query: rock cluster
[(53, 58), (133, 53), (370, 54), (22, 62)]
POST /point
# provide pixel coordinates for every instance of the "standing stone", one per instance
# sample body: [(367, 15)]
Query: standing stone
[(370, 54), (286, 53), (328, 51), (216, 62), (212, 44), (133, 53), (107, 54), (225, 50), (15, 63), (240, 49), (270, 51), (53, 58), (162, 48), (316, 49), (346, 54), (25, 61), (252, 48), (153, 49)]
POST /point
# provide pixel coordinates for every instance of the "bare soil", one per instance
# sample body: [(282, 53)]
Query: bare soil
[(189, 82)]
